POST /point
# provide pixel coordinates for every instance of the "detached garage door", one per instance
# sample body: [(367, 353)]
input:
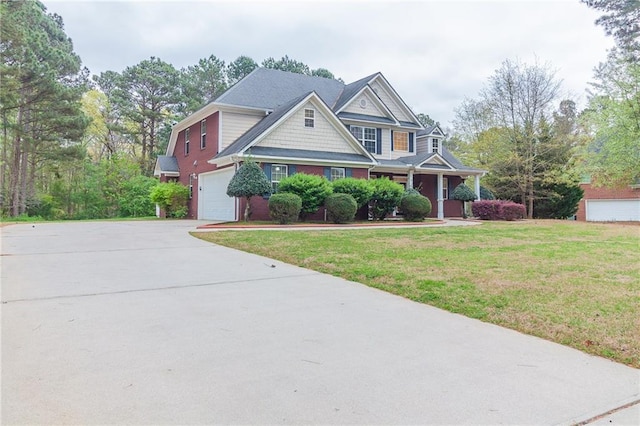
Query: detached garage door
[(213, 201), (613, 210)]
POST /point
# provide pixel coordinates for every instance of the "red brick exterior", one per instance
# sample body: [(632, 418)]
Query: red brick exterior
[(195, 162), (601, 193), (428, 185), (260, 205)]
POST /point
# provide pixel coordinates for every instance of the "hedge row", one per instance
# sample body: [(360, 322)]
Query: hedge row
[(498, 210)]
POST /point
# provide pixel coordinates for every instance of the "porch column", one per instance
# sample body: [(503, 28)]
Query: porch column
[(410, 179), (477, 185), (440, 199)]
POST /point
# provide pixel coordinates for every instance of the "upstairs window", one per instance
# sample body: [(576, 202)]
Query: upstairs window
[(366, 136), (278, 172), (186, 141), (435, 145), (309, 118), (337, 173), (400, 141), (203, 134)]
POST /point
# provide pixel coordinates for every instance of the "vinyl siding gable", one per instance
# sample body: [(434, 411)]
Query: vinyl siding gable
[(370, 108), (293, 134), (391, 102), (235, 125)]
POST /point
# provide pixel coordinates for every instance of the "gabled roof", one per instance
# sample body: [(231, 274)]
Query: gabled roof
[(268, 88), (247, 141), (167, 165), (350, 90)]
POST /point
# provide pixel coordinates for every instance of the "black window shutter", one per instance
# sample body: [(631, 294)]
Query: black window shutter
[(410, 142), (327, 173), (378, 141), (348, 172), (392, 140), (292, 169)]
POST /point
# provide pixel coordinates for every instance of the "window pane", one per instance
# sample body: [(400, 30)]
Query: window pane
[(337, 173), (400, 141), (357, 132), (370, 133)]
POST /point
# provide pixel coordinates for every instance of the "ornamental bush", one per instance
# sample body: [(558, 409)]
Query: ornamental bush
[(360, 189), (386, 197), (171, 197), (341, 208), (312, 189), (284, 207), (498, 210), (415, 207), (248, 181), (486, 194)]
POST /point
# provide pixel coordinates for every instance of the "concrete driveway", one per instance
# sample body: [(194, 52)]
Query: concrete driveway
[(140, 323)]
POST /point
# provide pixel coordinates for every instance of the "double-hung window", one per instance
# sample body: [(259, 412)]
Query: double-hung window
[(366, 136), (400, 141), (337, 173), (435, 145), (445, 188), (203, 134), (309, 117), (278, 172), (186, 141)]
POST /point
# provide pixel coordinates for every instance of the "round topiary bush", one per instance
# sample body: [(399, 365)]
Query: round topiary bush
[(341, 208), (415, 207), (284, 207)]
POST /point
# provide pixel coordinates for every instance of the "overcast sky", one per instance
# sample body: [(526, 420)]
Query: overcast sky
[(434, 53)]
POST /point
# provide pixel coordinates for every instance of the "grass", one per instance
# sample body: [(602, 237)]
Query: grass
[(574, 283)]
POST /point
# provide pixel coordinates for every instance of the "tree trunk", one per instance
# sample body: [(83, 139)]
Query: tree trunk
[(247, 209)]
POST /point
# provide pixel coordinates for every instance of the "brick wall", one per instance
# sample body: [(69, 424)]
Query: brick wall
[(601, 193)]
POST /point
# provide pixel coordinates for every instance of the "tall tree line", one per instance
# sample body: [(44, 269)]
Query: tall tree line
[(78, 147)]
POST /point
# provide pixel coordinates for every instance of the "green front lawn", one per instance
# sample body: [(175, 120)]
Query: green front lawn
[(573, 283)]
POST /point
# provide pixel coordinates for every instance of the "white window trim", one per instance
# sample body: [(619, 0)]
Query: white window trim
[(187, 135), (342, 169), (394, 142), (364, 140), (435, 145), (445, 188), (283, 175), (309, 119), (203, 134)]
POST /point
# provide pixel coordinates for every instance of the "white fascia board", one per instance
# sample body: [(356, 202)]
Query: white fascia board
[(203, 113), (440, 160), (402, 102), (306, 161)]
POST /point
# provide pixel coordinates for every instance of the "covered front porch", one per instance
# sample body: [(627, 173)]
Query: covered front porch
[(437, 185)]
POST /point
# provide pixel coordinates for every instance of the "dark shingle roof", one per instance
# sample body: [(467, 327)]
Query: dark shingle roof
[(350, 90), (363, 117), (168, 164), (269, 88)]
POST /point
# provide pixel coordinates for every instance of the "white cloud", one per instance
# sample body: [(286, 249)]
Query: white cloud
[(434, 53)]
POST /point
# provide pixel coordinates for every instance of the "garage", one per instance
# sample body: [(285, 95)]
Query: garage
[(613, 210), (213, 201)]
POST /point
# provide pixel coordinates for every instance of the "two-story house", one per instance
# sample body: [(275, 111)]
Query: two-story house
[(291, 123)]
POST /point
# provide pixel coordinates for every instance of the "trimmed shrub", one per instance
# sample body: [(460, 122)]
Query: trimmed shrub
[(341, 208), (386, 197), (498, 210), (486, 194), (463, 194), (171, 197), (248, 181), (284, 207), (312, 189), (415, 207), (512, 211), (360, 189)]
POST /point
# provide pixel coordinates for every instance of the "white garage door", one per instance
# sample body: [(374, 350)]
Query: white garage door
[(613, 210), (213, 201)]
